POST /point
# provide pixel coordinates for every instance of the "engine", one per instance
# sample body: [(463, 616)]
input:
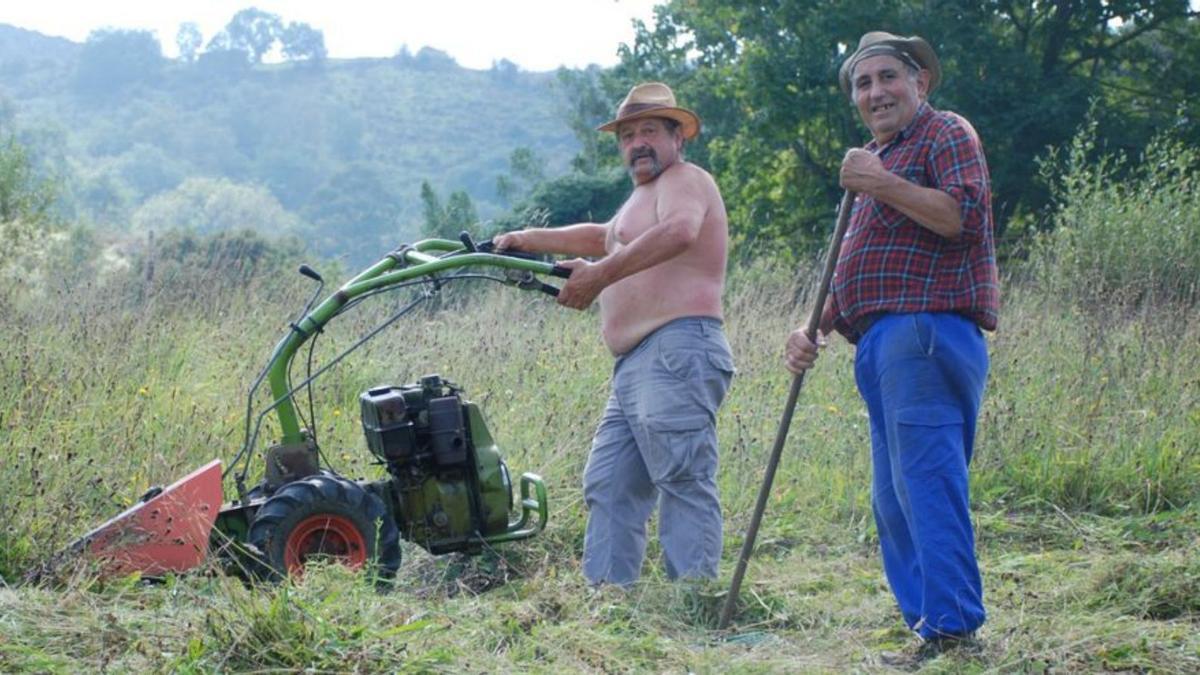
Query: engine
[(449, 485)]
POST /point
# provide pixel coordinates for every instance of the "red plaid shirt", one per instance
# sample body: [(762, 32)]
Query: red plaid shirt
[(889, 263)]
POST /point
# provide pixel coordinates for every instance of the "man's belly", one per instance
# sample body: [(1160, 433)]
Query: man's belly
[(634, 307)]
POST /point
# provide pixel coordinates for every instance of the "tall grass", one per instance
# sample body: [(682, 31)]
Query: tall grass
[(1120, 241), (103, 395)]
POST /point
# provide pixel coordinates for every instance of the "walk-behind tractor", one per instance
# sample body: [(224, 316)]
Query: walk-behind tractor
[(447, 487)]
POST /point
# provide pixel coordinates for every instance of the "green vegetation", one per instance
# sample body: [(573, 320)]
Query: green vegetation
[(342, 147), (776, 125), (1132, 240), (1085, 480), (345, 146), (26, 202)]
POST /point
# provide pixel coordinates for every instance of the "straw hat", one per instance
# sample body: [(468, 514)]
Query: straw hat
[(912, 50), (654, 99)]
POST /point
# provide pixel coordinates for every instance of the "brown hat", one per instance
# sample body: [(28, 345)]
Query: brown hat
[(654, 99), (912, 50)]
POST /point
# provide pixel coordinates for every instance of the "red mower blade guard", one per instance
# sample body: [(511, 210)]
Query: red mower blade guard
[(166, 531)]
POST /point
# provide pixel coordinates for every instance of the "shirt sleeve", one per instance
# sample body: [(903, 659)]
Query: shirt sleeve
[(960, 169)]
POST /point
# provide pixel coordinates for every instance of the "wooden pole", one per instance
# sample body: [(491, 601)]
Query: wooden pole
[(814, 321)]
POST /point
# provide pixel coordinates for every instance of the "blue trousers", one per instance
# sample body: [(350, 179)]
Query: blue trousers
[(922, 377)]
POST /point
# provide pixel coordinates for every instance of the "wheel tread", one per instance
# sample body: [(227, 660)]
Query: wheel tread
[(319, 494)]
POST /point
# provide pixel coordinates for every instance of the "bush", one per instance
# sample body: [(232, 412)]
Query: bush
[(27, 203), (573, 198), (184, 261), (1134, 241)]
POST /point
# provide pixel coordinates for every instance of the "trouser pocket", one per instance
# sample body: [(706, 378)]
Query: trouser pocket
[(679, 448)]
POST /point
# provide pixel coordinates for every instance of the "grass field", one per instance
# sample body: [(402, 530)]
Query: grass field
[(1084, 490)]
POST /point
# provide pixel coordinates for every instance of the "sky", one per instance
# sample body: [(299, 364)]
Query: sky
[(534, 34)]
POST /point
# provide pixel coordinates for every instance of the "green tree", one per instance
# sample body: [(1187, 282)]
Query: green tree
[(504, 71), (183, 260), (26, 203), (776, 124), (221, 64), (189, 39), (206, 205), (525, 170), (447, 222), (355, 211), (111, 60), (589, 102), (147, 170), (302, 42), (574, 198), (430, 58), (252, 32)]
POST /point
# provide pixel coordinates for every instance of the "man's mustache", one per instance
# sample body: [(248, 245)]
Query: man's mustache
[(639, 153)]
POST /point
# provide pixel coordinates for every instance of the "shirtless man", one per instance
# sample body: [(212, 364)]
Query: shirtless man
[(659, 275)]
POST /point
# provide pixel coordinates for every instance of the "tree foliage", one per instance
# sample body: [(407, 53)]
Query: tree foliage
[(458, 215), (26, 203), (251, 31), (302, 42), (587, 105), (113, 59), (207, 205), (525, 171), (355, 211), (24, 196), (343, 148), (763, 78), (576, 197), (189, 39)]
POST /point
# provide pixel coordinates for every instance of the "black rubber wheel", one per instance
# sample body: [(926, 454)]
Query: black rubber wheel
[(325, 516)]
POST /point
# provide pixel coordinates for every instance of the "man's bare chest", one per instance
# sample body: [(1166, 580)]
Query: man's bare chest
[(638, 215)]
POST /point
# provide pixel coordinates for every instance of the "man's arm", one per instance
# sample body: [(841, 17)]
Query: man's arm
[(931, 208), (582, 239), (680, 210), (681, 206)]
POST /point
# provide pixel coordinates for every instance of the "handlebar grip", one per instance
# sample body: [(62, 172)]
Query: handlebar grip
[(465, 238), (310, 273), (546, 288), (561, 272)]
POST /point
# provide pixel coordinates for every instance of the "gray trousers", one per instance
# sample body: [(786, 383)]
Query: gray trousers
[(657, 442)]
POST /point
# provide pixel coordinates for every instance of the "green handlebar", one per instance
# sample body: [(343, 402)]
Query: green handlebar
[(417, 262)]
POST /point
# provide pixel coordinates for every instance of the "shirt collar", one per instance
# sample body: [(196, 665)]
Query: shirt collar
[(923, 112)]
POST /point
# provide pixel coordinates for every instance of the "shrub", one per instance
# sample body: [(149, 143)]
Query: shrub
[(1135, 241)]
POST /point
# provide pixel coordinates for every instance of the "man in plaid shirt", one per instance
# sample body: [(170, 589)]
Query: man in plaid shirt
[(915, 283)]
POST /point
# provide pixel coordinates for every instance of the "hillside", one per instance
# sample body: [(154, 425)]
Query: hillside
[(342, 145)]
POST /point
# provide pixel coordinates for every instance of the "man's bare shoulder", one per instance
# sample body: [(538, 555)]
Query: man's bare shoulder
[(687, 175)]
